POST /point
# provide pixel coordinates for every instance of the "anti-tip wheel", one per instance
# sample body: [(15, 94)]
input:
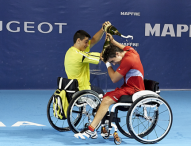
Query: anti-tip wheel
[(117, 141)]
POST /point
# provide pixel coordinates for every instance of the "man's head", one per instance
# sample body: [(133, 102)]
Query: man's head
[(81, 39), (112, 54)]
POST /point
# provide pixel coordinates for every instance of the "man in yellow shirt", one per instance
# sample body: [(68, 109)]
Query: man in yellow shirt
[(78, 57)]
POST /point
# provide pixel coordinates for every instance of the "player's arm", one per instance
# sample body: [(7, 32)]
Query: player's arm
[(121, 71), (114, 42), (97, 37), (91, 57), (114, 75)]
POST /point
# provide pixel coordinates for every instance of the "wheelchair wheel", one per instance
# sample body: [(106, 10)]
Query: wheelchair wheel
[(149, 119), (122, 115), (84, 104), (60, 125)]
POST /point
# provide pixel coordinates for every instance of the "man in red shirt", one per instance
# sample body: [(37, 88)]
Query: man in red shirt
[(130, 68)]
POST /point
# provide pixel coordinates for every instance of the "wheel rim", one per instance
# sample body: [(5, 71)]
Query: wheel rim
[(86, 114), (159, 120)]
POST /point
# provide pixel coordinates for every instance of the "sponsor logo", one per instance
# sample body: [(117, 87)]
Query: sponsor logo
[(29, 27), (167, 30), (130, 13), (131, 44)]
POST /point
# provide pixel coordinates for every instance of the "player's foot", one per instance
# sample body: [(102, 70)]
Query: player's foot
[(86, 133)]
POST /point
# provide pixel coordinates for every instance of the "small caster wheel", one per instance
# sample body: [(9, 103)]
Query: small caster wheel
[(104, 132), (117, 139)]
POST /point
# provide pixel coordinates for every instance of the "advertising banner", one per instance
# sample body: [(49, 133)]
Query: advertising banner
[(35, 35)]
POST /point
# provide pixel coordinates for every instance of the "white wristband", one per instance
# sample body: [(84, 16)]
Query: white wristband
[(108, 64)]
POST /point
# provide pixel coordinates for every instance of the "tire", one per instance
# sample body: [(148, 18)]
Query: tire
[(153, 125), (60, 125), (80, 114), (121, 126)]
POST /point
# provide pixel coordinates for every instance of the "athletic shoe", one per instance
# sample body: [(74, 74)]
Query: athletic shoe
[(86, 133)]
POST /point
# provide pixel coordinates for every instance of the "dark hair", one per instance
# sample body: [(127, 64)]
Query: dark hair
[(80, 34), (110, 52)]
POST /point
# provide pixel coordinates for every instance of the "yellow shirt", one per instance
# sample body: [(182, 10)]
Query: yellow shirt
[(77, 65)]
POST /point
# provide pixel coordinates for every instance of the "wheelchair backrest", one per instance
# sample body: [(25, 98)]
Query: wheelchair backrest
[(69, 85), (152, 86)]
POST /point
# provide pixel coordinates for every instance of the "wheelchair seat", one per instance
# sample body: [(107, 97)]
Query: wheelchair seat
[(125, 99)]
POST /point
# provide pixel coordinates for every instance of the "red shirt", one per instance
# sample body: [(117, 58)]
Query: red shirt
[(132, 70)]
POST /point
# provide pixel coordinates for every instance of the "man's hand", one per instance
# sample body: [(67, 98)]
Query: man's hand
[(114, 42), (110, 37), (105, 25)]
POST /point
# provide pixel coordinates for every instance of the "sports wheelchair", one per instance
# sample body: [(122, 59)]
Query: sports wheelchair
[(144, 116), (72, 92)]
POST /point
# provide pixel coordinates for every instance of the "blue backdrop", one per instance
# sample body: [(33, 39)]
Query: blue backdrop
[(35, 35)]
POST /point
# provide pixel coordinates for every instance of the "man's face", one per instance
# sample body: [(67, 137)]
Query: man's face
[(83, 44), (115, 60)]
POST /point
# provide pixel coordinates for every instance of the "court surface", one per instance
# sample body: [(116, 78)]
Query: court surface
[(23, 121)]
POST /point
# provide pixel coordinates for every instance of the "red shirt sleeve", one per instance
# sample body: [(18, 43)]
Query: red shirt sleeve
[(126, 63)]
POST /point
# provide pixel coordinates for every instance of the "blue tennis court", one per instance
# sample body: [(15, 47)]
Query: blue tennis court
[(24, 122)]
